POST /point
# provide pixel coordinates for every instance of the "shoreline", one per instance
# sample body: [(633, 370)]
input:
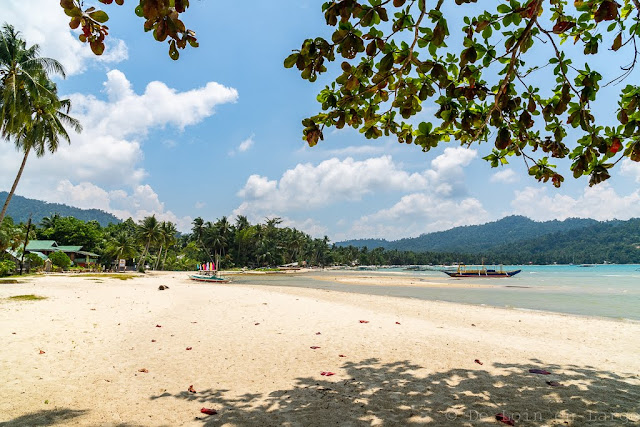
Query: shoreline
[(248, 351), (513, 297)]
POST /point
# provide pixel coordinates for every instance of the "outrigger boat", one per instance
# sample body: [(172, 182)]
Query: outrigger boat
[(209, 278), (481, 271), (207, 273)]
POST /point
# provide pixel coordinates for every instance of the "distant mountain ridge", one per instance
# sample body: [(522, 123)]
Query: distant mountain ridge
[(478, 238), (21, 207)]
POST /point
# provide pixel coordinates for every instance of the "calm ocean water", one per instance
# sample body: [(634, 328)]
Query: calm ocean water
[(603, 290)]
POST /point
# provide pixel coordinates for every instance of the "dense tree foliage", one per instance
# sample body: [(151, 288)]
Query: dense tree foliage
[(60, 260), (517, 240), (160, 16), (243, 244), (71, 231), (486, 80)]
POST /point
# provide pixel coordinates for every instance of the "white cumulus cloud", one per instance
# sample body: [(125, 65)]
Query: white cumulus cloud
[(109, 151), (309, 186), (419, 213), (139, 202), (243, 146), (631, 168), (446, 175), (505, 175), (600, 202)]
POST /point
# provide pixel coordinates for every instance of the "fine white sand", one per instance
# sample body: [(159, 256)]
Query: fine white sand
[(413, 363)]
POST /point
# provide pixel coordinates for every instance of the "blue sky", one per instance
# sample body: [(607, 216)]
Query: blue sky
[(218, 133)]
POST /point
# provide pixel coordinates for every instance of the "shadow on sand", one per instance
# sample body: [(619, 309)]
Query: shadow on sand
[(46, 417), (371, 393)]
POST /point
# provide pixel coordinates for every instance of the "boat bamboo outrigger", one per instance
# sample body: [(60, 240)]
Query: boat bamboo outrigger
[(480, 271), (207, 273)]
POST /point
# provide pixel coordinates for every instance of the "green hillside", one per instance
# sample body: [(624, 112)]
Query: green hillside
[(20, 208), (477, 238), (612, 241)]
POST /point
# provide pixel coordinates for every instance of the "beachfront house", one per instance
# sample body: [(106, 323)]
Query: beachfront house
[(75, 253)]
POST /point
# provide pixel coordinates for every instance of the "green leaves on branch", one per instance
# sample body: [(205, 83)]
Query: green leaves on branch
[(161, 16), (395, 57)]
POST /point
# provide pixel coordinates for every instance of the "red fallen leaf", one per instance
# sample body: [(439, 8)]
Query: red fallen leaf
[(539, 371), (153, 340), (191, 389), (143, 370), (189, 348), (364, 321), (397, 323), (478, 362), (318, 333), (158, 326), (42, 352), (327, 374), (505, 419), (341, 355), (208, 411), (314, 347)]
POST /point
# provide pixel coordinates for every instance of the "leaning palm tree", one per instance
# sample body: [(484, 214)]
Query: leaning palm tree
[(30, 112), (148, 233), (42, 134)]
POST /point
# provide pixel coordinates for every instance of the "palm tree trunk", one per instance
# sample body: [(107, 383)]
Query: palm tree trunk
[(158, 260), (143, 258), (15, 184), (165, 257)]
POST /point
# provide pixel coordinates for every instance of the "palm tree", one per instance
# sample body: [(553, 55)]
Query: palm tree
[(148, 234), (167, 238), (122, 246), (30, 111), (10, 235), (198, 231), (170, 239)]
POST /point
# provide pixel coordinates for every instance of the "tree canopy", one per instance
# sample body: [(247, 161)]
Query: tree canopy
[(486, 83), (160, 16)]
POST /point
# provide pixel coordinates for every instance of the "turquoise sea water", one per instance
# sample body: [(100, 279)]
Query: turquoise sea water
[(603, 290)]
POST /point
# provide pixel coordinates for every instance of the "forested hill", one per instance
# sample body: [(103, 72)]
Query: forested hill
[(20, 208), (612, 241), (478, 238)]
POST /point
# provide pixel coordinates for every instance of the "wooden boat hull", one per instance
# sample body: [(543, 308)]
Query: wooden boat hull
[(209, 279), (482, 273)]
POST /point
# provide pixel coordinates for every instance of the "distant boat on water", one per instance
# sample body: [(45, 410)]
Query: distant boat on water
[(480, 271), (587, 265)]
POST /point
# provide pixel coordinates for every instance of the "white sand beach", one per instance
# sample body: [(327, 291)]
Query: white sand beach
[(75, 358)]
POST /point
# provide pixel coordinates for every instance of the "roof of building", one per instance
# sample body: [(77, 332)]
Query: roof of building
[(40, 255), (41, 245), (69, 248), (88, 254), (14, 254)]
